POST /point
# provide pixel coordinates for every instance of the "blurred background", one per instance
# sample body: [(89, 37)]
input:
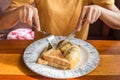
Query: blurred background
[(98, 30)]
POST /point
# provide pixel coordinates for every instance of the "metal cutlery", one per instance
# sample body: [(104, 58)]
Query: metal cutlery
[(51, 38)]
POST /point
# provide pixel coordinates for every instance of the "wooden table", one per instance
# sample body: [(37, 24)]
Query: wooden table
[(12, 66)]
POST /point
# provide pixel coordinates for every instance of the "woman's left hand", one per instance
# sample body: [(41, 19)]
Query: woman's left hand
[(89, 15)]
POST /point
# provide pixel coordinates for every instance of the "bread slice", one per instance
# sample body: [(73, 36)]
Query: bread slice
[(63, 45), (66, 56), (73, 55), (54, 58)]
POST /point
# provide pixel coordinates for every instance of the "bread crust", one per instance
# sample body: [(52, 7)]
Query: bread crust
[(66, 56)]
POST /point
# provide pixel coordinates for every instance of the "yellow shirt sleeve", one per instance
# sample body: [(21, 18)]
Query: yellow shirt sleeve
[(15, 3), (104, 3)]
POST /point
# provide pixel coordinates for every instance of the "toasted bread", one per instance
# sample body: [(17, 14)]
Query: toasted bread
[(41, 61), (54, 58), (66, 56), (72, 54), (63, 45)]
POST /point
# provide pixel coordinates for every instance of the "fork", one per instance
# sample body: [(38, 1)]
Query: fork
[(43, 32), (51, 38)]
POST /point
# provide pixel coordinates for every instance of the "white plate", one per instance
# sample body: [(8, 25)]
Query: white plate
[(88, 62)]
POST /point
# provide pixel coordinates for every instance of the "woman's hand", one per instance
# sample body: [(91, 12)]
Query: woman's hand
[(89, 15), (29, 14)]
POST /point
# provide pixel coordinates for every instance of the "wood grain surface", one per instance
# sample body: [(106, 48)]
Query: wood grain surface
[(12, 66)]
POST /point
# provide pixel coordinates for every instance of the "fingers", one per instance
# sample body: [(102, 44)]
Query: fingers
[(36, 20), (81, 19), (23, 14), (94, 13), (28, 14), (89, 14), (29, 17)]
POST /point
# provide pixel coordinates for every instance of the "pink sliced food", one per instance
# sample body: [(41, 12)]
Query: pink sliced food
[(21, 34)]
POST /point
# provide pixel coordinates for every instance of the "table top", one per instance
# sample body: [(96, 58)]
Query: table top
[(12, 66)]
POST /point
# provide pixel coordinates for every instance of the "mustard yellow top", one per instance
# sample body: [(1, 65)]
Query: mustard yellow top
[(60, 17)]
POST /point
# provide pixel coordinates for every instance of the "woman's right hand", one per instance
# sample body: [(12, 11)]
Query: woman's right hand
[(29, 15)]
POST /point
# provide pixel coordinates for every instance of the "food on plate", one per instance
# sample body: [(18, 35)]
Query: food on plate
[(66, 56), (54, 58), (72, 54), (63, 45)]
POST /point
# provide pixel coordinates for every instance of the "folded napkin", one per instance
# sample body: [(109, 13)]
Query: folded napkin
[(21, 34)]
